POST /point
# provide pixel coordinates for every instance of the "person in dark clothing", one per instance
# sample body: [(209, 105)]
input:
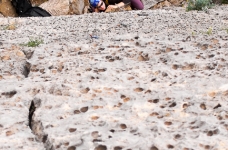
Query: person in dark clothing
[(102, 5)]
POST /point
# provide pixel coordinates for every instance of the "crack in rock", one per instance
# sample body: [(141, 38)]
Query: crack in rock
[(37, 127), (26, 69)]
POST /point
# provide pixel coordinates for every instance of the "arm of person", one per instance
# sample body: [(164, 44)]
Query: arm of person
[(121, 4)]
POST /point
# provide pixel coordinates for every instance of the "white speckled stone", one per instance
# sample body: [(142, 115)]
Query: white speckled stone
[(136, 80)]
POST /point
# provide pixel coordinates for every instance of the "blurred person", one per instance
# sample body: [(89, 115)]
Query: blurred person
[(103, 5)]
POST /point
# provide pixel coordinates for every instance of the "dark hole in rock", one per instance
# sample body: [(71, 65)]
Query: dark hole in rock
[(102, 70), (162, 106), (118, 148), (175, 67), (28, 54), (138, 89), (31, 112), (26, 69), (185, 105), (173, 104), (1, 126), (9, 94), (203, 106), (164, 74), (168, 123), (177, 136), (207, 147), (123, 126), (45, 137), (148, 91), (101, 147), (84, 109), (154, 114), (217, 106), (155, 100), (71, 148), (51, 67), (66, 144), (72, 129), (153, 148), (109, 136), (97, 140), (31, 139), (216, 131), (122, 96), (112, 130), (152, 80), (209, 133), (170, 146)]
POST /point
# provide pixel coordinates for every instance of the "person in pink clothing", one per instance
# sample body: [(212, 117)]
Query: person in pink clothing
[(102, 5)]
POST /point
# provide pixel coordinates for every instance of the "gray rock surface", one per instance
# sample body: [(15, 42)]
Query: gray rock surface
[(139, 80)]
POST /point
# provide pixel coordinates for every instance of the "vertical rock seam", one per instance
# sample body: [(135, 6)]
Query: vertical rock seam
[(37, 127)]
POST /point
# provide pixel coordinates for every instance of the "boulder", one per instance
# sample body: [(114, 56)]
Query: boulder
[(64, 7), (6, 9), (156, 4), (37, 2)]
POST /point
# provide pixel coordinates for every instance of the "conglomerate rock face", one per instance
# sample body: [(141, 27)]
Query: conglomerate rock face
[(139, 80)]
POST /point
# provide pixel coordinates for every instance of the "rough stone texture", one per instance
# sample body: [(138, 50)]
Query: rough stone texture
[(148, 80), (65, 7), (150, 3), (37, 2), (6, 9)]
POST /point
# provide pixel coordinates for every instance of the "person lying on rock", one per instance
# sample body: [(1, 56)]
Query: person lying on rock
[(104, 5)]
